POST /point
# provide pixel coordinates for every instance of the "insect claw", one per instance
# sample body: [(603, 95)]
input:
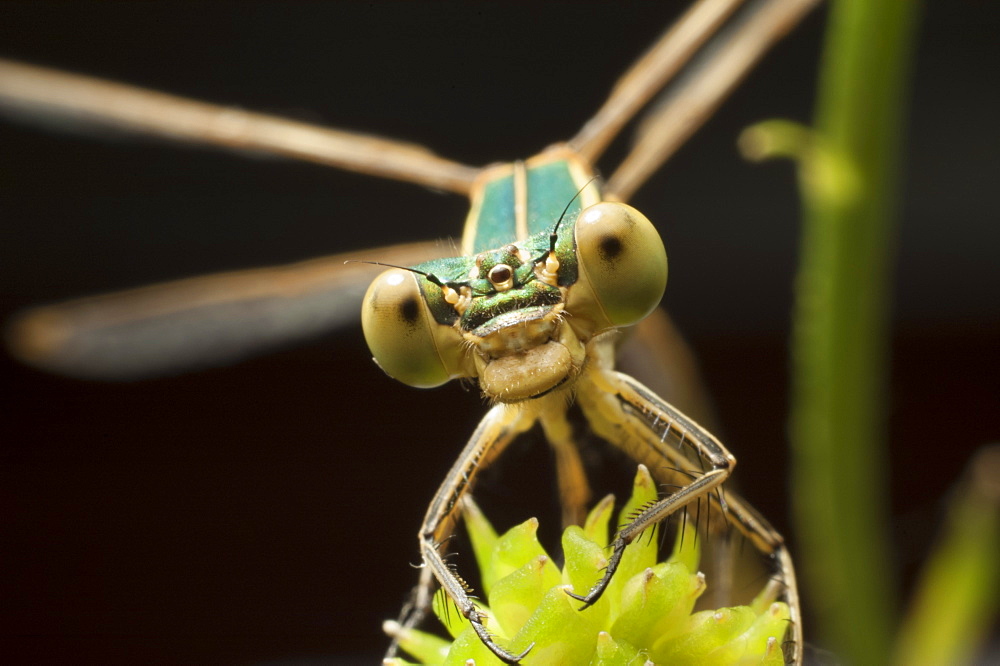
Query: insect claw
[(476, 618), (526, 651), (588, 600)]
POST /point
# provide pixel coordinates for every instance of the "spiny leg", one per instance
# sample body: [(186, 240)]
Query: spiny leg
[(652, 432), (610, 406), (500, 425), (768, 541)]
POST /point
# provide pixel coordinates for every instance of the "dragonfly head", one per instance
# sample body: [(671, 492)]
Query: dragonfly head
[(517, 318)]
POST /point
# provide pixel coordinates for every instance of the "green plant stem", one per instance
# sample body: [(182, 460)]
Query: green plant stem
[(840, 345)]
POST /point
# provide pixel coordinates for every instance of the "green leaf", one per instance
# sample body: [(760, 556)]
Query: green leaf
[(611, 652), (596, 525), (956, 601), (656, 603), (468, 646), (518, 546), (516, 596), (426, 648), (749, 646), (584, 566), (561, 634), (702, 635)]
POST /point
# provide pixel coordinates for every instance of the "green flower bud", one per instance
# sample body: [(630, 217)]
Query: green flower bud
[(644, 616)]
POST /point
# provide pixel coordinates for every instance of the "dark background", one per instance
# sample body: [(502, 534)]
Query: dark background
[(268, 511)]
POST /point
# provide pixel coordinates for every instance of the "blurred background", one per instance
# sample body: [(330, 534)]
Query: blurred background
[(267, 512)]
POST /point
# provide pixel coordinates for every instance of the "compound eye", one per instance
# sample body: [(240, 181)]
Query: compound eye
[(402, 334), (622, 260)]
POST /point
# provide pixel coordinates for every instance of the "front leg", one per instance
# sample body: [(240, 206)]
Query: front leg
[(632, 418), (678, 450), (500, 425)]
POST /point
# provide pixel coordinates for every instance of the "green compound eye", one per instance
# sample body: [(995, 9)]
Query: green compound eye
[(623, 266), (406, 341)]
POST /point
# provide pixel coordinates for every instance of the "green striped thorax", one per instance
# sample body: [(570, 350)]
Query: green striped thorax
[(562, 266)]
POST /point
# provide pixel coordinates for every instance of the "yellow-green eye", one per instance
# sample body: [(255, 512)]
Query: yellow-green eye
[(623, 266), (406, 341)]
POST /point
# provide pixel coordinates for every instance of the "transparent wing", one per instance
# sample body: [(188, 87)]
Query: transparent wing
[(707, 52), (40, 94), (203, 321), (712, 76)]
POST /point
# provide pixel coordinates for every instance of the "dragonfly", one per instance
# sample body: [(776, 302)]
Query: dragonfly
[(48, 346)]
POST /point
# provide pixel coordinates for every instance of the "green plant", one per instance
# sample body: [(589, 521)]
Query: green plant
[(644, 616)]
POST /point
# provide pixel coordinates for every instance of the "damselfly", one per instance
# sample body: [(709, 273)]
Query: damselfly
[(623, 191)]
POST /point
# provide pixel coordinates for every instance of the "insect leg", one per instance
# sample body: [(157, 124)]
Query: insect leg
[(574, 490), (500, 425), (673, 446), (767, 540)]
